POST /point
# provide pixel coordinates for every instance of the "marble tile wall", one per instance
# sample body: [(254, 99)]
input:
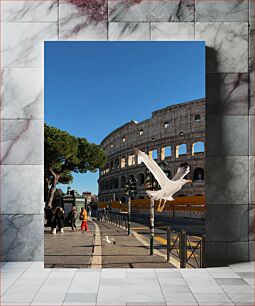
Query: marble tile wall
[(228, 29)]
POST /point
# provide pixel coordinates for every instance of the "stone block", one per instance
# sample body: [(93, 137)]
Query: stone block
[(22, 189), (226, 94), (81, 20), (227, 45), (227, 223), (147, 10), (238, 252), (175, 31), (227, 180), (22, 142), (129, 31), (227, 136), (22, 93), (234, 10), (22, 237)]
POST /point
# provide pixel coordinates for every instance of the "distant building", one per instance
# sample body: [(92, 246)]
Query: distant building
[(173, 134), (88, 196)]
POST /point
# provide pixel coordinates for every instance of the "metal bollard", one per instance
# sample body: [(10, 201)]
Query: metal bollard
[(202, 253), (183, 249), (168, 243)]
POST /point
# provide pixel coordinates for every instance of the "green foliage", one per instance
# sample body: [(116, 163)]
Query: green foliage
[(65, 154)]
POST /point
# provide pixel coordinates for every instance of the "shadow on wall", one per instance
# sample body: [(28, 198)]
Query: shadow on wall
[(226, 224)]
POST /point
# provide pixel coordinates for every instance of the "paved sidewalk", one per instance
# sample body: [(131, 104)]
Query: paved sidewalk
[(27, 283), (122, 251), (70, 249)]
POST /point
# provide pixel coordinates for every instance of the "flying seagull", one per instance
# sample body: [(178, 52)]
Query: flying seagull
[(168, 187)]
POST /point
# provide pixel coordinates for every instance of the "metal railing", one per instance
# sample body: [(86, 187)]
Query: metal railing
[(116, 218), (189, 249)]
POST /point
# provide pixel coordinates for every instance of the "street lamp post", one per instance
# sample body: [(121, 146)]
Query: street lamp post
[(151, 225), (152, 184), (149, 185), (130, 190), (129, 215)]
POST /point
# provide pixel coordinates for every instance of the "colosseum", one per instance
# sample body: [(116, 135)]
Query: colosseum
[(174, 134)]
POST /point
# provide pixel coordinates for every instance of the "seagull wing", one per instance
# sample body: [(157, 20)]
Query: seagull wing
[(154, 168), (183, 170)]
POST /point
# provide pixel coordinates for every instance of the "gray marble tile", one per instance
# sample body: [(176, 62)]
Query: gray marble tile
[(242, 267), (146, 303), (226, 94), (81, 297), (23, 43), (251, 135), (251, 69), (234, 10), (180, 299), (251, 93), (238, 251), (251, 180), (213, 299), (21, 142), (178, 289), (216, 254), (230, 281), (227, 136), (242, 298), (22, 93), (172, 31), (22, 237), (23, 10), (251, 10), (82, 20), (251, 254), (44, 298), (113, 273), (151, 10), (251, 222), (22, 189), (227, 222), (129, 31), (228, 180), (227, 45), (246, 275)]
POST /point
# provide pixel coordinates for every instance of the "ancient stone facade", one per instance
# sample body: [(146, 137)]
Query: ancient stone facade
[(174, 134)]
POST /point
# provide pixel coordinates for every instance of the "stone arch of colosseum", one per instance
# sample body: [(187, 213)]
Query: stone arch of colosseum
[(170, 135)]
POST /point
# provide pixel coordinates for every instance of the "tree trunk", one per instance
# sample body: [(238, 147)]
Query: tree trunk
[(52, 188)]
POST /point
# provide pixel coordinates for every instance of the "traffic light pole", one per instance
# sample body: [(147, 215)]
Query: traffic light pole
[(129, 214), (151, 225)]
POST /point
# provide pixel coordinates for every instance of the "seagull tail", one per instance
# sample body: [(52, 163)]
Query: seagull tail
[(151, 193)]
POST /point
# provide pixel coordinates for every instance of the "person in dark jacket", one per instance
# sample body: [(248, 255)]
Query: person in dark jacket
[(48, 215), (72, 218), (58, 220)]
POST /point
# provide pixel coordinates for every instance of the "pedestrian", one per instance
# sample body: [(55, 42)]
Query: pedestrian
[(48, 215), (58, 220), (72, 216), (89, 211), (84, 218)]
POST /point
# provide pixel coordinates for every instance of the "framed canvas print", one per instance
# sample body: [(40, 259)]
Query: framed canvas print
[(124, 154)]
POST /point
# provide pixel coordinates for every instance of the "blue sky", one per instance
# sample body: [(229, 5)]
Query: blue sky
[(92, 88)]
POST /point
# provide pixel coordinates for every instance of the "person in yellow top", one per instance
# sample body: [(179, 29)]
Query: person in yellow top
[(84, 218)]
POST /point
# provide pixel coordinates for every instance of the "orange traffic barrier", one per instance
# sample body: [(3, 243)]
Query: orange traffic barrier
[(192, 203)]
